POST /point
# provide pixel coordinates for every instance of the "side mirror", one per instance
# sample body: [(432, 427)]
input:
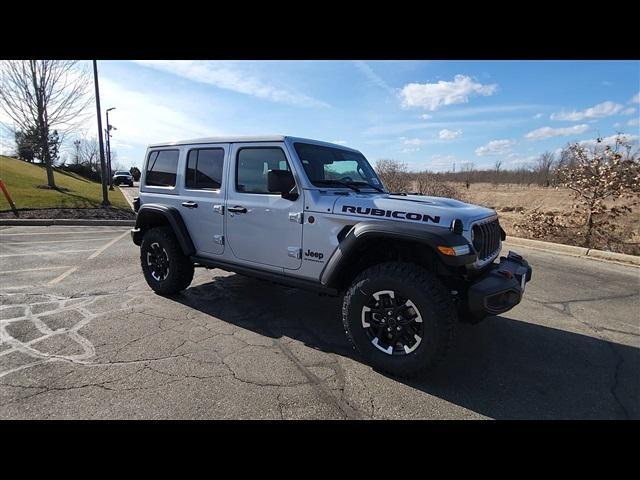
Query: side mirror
[(282, 182)]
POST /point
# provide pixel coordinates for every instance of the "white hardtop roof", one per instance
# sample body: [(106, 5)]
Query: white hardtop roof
[(247, 139)]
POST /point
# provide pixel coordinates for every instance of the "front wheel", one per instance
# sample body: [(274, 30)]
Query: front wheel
[(400, 318), (166, 269)]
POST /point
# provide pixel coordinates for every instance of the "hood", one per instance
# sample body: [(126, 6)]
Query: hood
[(435, 211)]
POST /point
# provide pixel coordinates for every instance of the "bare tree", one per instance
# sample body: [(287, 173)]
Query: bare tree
[(467, 170), (543, 167), (48, 95), (88, 152), (428, 183), (394, 174), (497, 166)]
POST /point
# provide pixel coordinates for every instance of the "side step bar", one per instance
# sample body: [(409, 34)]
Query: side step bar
[(278, 278)]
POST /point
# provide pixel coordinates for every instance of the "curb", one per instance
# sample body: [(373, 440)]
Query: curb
[(573, 251), (126, 197), (43, 222)]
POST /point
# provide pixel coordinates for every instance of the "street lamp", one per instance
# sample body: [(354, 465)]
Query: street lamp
[(108, 134), (105, 195)]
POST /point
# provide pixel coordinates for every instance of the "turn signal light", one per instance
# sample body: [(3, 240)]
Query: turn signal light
[(454, 251), (447, 251)]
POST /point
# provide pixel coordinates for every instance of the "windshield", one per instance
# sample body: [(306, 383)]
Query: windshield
[(326, 164), (122, 173)]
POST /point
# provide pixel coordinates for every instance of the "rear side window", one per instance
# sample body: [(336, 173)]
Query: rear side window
[(204, 168), (162, 167), (253, 165)]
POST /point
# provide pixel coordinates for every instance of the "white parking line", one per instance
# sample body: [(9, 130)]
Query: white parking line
[(53, 241), (102, 249), (48, 253), (61, 233), (62, 276), (32, 269)]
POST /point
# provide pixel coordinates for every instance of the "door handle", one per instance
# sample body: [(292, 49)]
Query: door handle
[(237, 209), (190, 204)]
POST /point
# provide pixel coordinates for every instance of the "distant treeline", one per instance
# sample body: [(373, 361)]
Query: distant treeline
[(526, 176)]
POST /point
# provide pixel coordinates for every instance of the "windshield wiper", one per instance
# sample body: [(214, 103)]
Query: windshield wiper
[(367, 184), (337, 182)]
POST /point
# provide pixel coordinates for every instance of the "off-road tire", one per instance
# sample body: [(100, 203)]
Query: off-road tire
[(433, 301), (180, 268)]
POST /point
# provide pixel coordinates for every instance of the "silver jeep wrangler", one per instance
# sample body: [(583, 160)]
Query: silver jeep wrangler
[(315, 215)]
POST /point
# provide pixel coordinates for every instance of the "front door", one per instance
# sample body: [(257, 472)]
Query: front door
[(262, 227), (202, 200)]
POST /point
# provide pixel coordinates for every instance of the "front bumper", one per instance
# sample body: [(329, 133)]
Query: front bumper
[(136, 236), (500, 288)]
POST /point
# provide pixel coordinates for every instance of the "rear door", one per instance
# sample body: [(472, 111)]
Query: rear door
[(202, 198), (262, 227)]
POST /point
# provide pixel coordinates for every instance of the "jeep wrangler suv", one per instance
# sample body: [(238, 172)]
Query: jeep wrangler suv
[(315, 215)]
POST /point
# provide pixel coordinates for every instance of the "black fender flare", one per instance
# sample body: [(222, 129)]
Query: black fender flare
[(428, 235), (148, 216)]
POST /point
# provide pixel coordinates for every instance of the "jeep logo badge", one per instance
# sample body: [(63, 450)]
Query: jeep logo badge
[(318, 255), (311, 256)]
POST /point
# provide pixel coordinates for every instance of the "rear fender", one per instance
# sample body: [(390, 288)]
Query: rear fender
[(152, 215)]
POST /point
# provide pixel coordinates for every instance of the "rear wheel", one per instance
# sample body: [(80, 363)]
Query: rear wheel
[(400, 318), (166, 269)]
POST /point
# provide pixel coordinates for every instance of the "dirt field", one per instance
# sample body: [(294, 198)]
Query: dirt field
[(513, 202)]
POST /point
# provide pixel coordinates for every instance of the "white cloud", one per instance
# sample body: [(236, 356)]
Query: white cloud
[(340, 142), (601, 110), (230, 77), (432, 96), (373, 77), (495, 147), (409, 150), (402, 127), (634, 122), (609, 141), (449, 134), (538, 115), (413, 141), (516, 159), (425, 116), (144, 118), (628, 111), (635, 98), (439, 161), (548, 132)]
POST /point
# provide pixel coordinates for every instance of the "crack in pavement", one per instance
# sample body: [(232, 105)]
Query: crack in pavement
[(618, 359)]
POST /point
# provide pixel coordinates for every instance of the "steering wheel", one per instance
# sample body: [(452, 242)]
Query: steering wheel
[(346, 179)]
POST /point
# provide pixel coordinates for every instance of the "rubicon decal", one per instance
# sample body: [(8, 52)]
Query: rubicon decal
[(377, 212)]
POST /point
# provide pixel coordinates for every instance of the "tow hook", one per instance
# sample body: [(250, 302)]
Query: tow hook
[(506, 273)]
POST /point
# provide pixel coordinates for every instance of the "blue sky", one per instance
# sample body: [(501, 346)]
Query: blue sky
[(430, 114)]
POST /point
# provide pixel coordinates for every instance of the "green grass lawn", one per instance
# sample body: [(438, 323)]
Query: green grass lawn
[(22, 178)]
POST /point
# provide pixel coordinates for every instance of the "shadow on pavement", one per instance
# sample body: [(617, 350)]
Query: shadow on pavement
[(501, 368)]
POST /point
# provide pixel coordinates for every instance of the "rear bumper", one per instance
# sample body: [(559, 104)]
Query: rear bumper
[(500, 288)]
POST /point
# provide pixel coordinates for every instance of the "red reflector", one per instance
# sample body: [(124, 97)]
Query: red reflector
[(506, 273)]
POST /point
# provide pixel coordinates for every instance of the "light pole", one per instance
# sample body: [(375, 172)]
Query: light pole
[(105, 193), (77, 144), (108, 133)]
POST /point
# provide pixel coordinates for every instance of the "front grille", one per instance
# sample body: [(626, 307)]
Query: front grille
[(486, 238)]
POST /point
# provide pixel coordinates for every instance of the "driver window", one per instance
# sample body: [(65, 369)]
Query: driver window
[(253, 165)]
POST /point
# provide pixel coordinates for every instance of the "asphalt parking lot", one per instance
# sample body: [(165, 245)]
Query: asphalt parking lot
[(82, 336)]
